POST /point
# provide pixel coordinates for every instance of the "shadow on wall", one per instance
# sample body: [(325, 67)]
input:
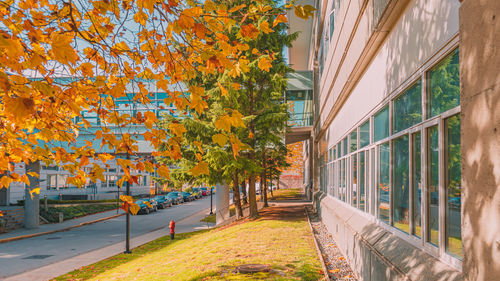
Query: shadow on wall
[(425, 30), (480, 105), (406, 259)]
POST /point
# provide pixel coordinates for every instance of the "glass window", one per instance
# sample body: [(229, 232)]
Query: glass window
[(364, 134), (384, 170), (361, 180), (444, 85), (353, 141), (51, 181), (354, 169), (61, 181), (453, 186), (344, 146), (433, 185), (342, 172), (407, 108), (339, 150), (381, 124), (417, 186), (401, 184), (332, 23)]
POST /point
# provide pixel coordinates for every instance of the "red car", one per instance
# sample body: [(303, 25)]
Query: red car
[(204, 191)]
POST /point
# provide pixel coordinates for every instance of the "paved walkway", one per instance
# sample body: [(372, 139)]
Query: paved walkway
[(53, 270)]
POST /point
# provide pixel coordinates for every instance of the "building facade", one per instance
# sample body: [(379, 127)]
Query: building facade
[(401, 153)]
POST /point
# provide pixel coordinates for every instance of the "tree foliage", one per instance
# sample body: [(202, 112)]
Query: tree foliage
[(104, 48)]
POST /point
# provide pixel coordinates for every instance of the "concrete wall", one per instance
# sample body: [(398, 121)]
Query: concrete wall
[(480, 117), (376, 254)]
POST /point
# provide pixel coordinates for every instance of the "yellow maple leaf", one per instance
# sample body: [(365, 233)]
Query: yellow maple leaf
[(264, 26), (220, 139), (223, 90), (177, 128), (200, 169), (223, 123), (305, 11), (197, 103), (249, 31), (134, 209), (62, 50), (34, 191), (163, 172), (265, 63), (278, 19)]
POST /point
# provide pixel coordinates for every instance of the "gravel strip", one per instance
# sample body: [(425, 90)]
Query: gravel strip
[(337, 265)]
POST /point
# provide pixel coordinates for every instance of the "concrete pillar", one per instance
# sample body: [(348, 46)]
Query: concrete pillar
[(480, 135), (221, 203), (32, 200), (4, 196)]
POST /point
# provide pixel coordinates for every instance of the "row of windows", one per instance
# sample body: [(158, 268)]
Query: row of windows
[(402, 165), (58, 181)]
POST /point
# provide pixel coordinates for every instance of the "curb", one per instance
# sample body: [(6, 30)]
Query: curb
[(325, 270), (10, 239)]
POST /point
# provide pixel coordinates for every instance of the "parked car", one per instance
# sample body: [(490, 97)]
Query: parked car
[(153, 203), (204, 191), (188, 196), (176, 197), (196, 192), (144, 208), (163, 201)]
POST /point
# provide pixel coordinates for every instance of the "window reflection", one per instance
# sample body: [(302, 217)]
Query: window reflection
[(433, 185), (383, 182), (453, 186), (401, 182)]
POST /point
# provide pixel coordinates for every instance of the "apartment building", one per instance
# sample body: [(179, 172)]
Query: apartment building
[(403, 153)]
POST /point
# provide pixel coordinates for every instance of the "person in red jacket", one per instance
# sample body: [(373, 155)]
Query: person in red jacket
[(172, 229)]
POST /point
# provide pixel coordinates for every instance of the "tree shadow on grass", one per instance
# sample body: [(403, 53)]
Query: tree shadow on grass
[(93, 270)]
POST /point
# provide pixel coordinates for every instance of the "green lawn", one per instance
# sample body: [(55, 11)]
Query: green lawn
[(286, 245), (286, 194)]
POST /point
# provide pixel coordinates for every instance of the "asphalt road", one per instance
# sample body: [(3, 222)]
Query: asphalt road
[(27, 254)]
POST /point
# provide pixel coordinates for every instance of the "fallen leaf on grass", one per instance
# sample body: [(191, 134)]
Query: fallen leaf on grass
[(334, 270)]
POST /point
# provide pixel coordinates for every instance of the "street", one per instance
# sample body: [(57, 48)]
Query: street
[(28, 254)]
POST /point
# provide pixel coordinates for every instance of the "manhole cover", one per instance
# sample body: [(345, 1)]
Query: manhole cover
[(37, 257), (53, 238), (252, 268)]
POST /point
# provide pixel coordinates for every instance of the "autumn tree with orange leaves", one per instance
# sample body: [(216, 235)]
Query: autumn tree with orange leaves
[(106, 47)]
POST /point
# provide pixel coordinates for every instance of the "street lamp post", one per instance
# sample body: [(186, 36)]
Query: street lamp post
[(211, 212), (127, 235)]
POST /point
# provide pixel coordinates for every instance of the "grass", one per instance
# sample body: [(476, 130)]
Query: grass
[(211, 218), (71, 212), (286, 194), (286, 245)]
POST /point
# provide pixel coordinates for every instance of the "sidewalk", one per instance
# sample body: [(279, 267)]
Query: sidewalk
[(22, 233), (191, 223)]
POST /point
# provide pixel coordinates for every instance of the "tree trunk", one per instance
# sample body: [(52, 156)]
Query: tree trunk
[(272, 196), (262, 186), (264, 193), (236, 196), (252, 199), (244, 191)]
